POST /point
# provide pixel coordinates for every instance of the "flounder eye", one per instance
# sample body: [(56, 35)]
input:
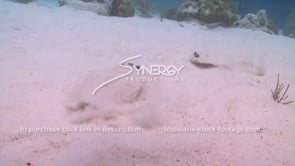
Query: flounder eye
[(196, 55)]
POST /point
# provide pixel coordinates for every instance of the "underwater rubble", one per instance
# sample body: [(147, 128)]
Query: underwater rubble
[(121, 8), (208, 12)]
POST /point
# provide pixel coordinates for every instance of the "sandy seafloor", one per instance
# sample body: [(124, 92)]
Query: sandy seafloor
[(52, 58)]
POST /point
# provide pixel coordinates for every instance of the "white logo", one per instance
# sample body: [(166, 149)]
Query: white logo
[(153, 70)]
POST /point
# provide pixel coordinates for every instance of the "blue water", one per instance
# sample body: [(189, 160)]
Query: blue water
[(277, 10)]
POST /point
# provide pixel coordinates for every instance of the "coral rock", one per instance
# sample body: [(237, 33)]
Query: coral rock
[(90, 5), (22, 1), (169, 13), (207, 11), (187, 10), (290, 24), (99, 1), (258, 21), (122, 8), (144, 8)]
